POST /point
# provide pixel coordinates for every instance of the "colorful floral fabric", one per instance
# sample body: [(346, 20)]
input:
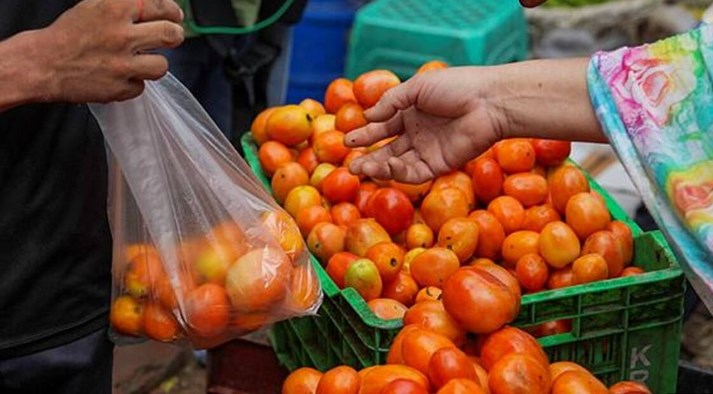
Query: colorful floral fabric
[(655, 103)]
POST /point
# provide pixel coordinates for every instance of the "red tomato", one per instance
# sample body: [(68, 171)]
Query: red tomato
[(340, 185), (551, 152), (392, 209), (366, 189)]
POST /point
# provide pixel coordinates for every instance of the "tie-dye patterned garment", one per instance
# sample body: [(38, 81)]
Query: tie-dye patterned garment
[(655, 103)]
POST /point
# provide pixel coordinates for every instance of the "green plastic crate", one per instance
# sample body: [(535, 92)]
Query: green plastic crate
[(623, 328), (400, 35)]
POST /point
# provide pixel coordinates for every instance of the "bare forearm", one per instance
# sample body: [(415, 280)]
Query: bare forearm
[(547, 99), (21, 71)]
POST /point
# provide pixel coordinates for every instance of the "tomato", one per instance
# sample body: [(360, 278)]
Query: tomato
[(479, 301), (321, 124), (387, 309), (388, 257), (281, 227), (311, 216), (414, 192), (418, 347), (510, 340), (126, 315), (551, 328), (560, 278), (487, 179), (519, 244), (302, 381), (363, 276), (537, 217), (491, 235), (551, 152), (370, 86), (625, 237), (338, 265), (258, 126), (429, 293), (461, 386), (273, 155), (392, 209), (329, 147), (450, 363), (394, 354), (432, 65), (433, 266), (558, 244), (355, 153), (564, 183), (319, 174), (419, 235), (459, 180), (606, 244), (530, 189), (313, 107), (208, 310), (363, 234), (560, 367), (408, 258), (366, 189), (350, 117), (631, 271), (519, 373), (289, 124), (431, 315), (589, 268), (342, 379), (532, 272), (577, 382), (344, 214), (507, 277), (459, 235), (441, 205), (340, 186), (509, 212), (325, 240), (586, 214), (515, 155), (338, 93), (301, 197), (629, 387), (403, 386), (376, 378), (403, 288)]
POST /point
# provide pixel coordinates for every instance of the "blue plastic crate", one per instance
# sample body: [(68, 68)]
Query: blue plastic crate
[(400, 35)]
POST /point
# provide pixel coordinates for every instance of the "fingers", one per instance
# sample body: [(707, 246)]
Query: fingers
[(150, 67), (155, 35), (132, 89), (409, 168), (374, 132), (375, 164), (153, 10), (395, 99)]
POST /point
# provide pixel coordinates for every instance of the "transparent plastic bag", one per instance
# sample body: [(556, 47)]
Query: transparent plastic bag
[(201, 251)]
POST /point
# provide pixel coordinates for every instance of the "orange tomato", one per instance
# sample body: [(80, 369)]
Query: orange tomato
[(258, 280), (441, 205), (289, 124), (325, 240), (589, 268), (537, 217), (560, 278), (353, 154), (370, 86), (459, 180), (625, 237), (530, 189), (311, 216), (273, 155), (126, 315), (510, 340), (459, 235), (304, 291), (531, 270), (403, 288), (338, 93), (519, 244), (577, 382), (349, 117), (258, 126), (418, 347), (629, 387), (478, 300), (403, 386), (429, 293), (450, 363), (419, 236), (491, 235), (631, 271), (551, 328), (586, 214), (560, 367), (515, 155), (432, 316), (506, 276), (558, 244), (388, 257), (340, 186), (301, 197), (519, 373), (387, 309), (329, 147), (321, 124), (342, 379), (509, 212), (461, 386), (344, 214), (487, 179), (551, 152), (363, 234), (414, 192), (376, 378), (565, 182), (607, 245), (207, 310), (308, 160), (302, 381), (338, 265), (286, 178), (281, 227), (433, 266), (313, 107), (394, 354), (363, 276), (142, 274), (159, 324), (432, 65)]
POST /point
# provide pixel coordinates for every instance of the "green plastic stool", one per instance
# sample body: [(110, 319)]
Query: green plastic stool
[(400, 35)]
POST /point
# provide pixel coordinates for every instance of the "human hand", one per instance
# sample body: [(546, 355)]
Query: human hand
[(97, 51), (443, 119)]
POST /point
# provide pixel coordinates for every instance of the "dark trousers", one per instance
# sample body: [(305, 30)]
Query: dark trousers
[(82, 366)]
